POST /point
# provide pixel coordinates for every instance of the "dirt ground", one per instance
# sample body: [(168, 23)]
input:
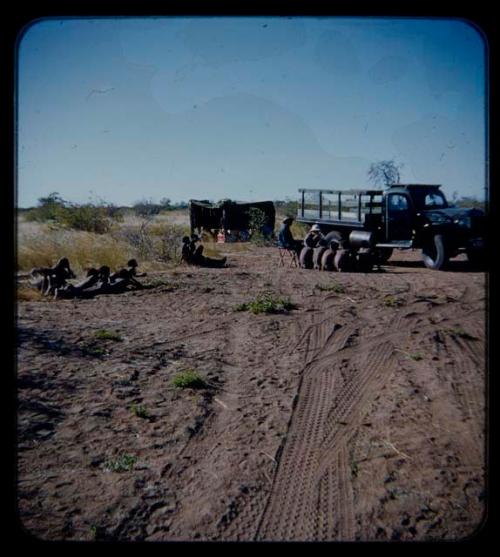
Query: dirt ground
[(358, 415)]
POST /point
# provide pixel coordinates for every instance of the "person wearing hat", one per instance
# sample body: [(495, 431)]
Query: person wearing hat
[(313, 237), (285, 237)]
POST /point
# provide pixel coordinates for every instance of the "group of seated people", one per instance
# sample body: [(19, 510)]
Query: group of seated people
[(193, 254), (287, 241), (53, 280)]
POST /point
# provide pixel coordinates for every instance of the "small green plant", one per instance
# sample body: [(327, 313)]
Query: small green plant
[(416, 357), (266, 303), (103, 334), (188, 379), (92, 350), (139, 410), (332, 287), (392, 301), (124, 463)]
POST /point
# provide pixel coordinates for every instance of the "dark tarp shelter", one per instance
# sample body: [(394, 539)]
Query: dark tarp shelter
[(228, 215)]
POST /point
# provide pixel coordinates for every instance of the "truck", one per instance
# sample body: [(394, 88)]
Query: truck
[(404, 216)]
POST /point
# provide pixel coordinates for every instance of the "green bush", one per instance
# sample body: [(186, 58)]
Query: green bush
[(139, 410), (89, 217), (189, 379), (123, 463), (266, 303), (103, 334)]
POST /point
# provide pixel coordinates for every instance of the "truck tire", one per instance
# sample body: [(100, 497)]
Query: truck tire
[(477, 258), (317, 255), (327, 260), (435, 254), (343, 261), (333, 236), (306, 258), (382, 255), (365, 260)]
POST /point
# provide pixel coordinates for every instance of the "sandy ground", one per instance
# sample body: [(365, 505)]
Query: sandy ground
[(358, 415)]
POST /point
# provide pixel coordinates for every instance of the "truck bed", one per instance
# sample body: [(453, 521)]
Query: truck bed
[(357, 209)]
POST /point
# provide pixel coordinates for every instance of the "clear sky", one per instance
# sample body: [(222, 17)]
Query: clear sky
[(247, 108)]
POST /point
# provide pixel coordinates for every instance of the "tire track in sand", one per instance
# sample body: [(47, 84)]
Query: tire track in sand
[(311, 497)]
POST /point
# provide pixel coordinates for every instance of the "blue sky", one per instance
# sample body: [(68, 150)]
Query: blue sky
[(248, 108)]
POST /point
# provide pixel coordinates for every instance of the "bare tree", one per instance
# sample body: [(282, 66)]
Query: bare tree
[(384, 173)]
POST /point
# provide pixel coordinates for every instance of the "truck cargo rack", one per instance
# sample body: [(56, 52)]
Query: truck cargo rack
[(344, 207)]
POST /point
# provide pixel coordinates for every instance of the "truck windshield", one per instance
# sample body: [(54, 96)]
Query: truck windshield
[(435, 200)]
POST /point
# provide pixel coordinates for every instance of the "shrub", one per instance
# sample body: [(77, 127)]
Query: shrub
[(391, 301), (90, 217), (139, 410), (266, 303), (103, 334), (333, 287), (123, 463), (154, 241), (189, 379)]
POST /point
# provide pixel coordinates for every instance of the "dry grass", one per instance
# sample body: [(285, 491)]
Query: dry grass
[(43, 246), (27, 294)]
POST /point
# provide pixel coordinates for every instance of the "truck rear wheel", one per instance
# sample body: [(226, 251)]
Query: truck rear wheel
[(435, 254), (332, 236), (382, 255), (364, 260), (344, 260), (306, 258), (317, 255), (327, 260)]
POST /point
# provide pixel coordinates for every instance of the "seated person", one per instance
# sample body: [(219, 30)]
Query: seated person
[(193, 254), (286, 239), (313, 237)]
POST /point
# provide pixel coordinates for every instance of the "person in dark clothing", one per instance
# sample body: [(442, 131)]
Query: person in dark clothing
[(286, 239), (70, 290), (48, 279), (313, 237), (129, 273), (193, 254)]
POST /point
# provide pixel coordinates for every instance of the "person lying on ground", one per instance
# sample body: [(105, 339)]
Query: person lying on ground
[(98, 283), (129, 273), (72, 290), (48, 279)]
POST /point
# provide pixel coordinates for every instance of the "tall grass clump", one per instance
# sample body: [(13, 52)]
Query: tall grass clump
[(153, 241), (44, 247)]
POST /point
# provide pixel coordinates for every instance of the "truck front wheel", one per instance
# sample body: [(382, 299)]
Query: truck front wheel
[(435, 254), (477, 258)]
